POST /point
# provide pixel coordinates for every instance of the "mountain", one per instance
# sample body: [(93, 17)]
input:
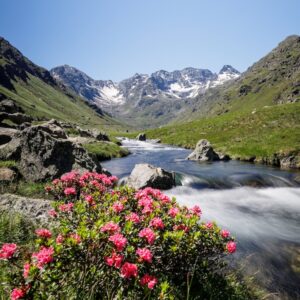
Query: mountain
[(255, 116), (39, 94), (273, 80), (144, 96)]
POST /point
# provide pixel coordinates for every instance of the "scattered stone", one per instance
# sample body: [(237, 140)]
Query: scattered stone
[(141, 137), (7, 175), (204, 152), (33, 209), (145, 175)]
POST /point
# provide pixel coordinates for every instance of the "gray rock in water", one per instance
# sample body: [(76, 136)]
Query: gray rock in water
[(141, 137), (145, 175), (44, 153), (33, 209), (204, 152)]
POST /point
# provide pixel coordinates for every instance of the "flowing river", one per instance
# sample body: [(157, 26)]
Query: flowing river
[(259, 205)]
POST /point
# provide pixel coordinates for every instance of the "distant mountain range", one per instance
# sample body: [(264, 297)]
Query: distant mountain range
[(183, 84), (144, 100)]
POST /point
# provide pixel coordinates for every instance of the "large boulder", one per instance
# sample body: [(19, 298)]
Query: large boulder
[(141, 137), (44, 153), (204, 152), (145, 175)]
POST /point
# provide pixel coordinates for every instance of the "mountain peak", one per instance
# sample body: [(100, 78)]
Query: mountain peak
[(228, 69)]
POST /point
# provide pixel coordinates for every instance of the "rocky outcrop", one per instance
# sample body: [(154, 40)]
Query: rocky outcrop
[(17, 118), (145, 175), (33, 209), (44, 152), (10, 107), (204, 152), (141, 137)]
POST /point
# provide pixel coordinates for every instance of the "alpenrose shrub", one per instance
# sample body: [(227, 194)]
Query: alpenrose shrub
[(116, 243)]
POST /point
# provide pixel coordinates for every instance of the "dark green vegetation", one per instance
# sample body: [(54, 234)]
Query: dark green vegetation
[(256, 115), (35, 90), (105, 150)]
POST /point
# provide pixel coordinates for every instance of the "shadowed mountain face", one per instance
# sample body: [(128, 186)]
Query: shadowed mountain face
[(39, 94), (152, 99)]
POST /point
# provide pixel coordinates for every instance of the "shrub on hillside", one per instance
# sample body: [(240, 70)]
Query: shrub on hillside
[(118, 243)]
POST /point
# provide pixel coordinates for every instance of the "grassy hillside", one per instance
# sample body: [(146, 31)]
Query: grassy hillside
[(34, 89), (41, 100), (262, 133)]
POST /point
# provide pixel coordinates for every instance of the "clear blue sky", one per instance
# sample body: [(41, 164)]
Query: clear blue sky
[(113, 39)]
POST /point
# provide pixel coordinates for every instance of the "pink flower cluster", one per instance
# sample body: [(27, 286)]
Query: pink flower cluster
[(149, 280), (144, 254), (173, 212), (68, 207), (157, 223), (26, 270), (111, 227), (129, 270), (115, 260), (7, 251), (118, 206), (231, 247), (18, 293), (69, 191), (44, 256), (118, 240), (44, 233), (133, 217), (148, 234)]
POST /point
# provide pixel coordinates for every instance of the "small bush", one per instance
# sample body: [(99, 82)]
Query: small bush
[(119, 243)]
